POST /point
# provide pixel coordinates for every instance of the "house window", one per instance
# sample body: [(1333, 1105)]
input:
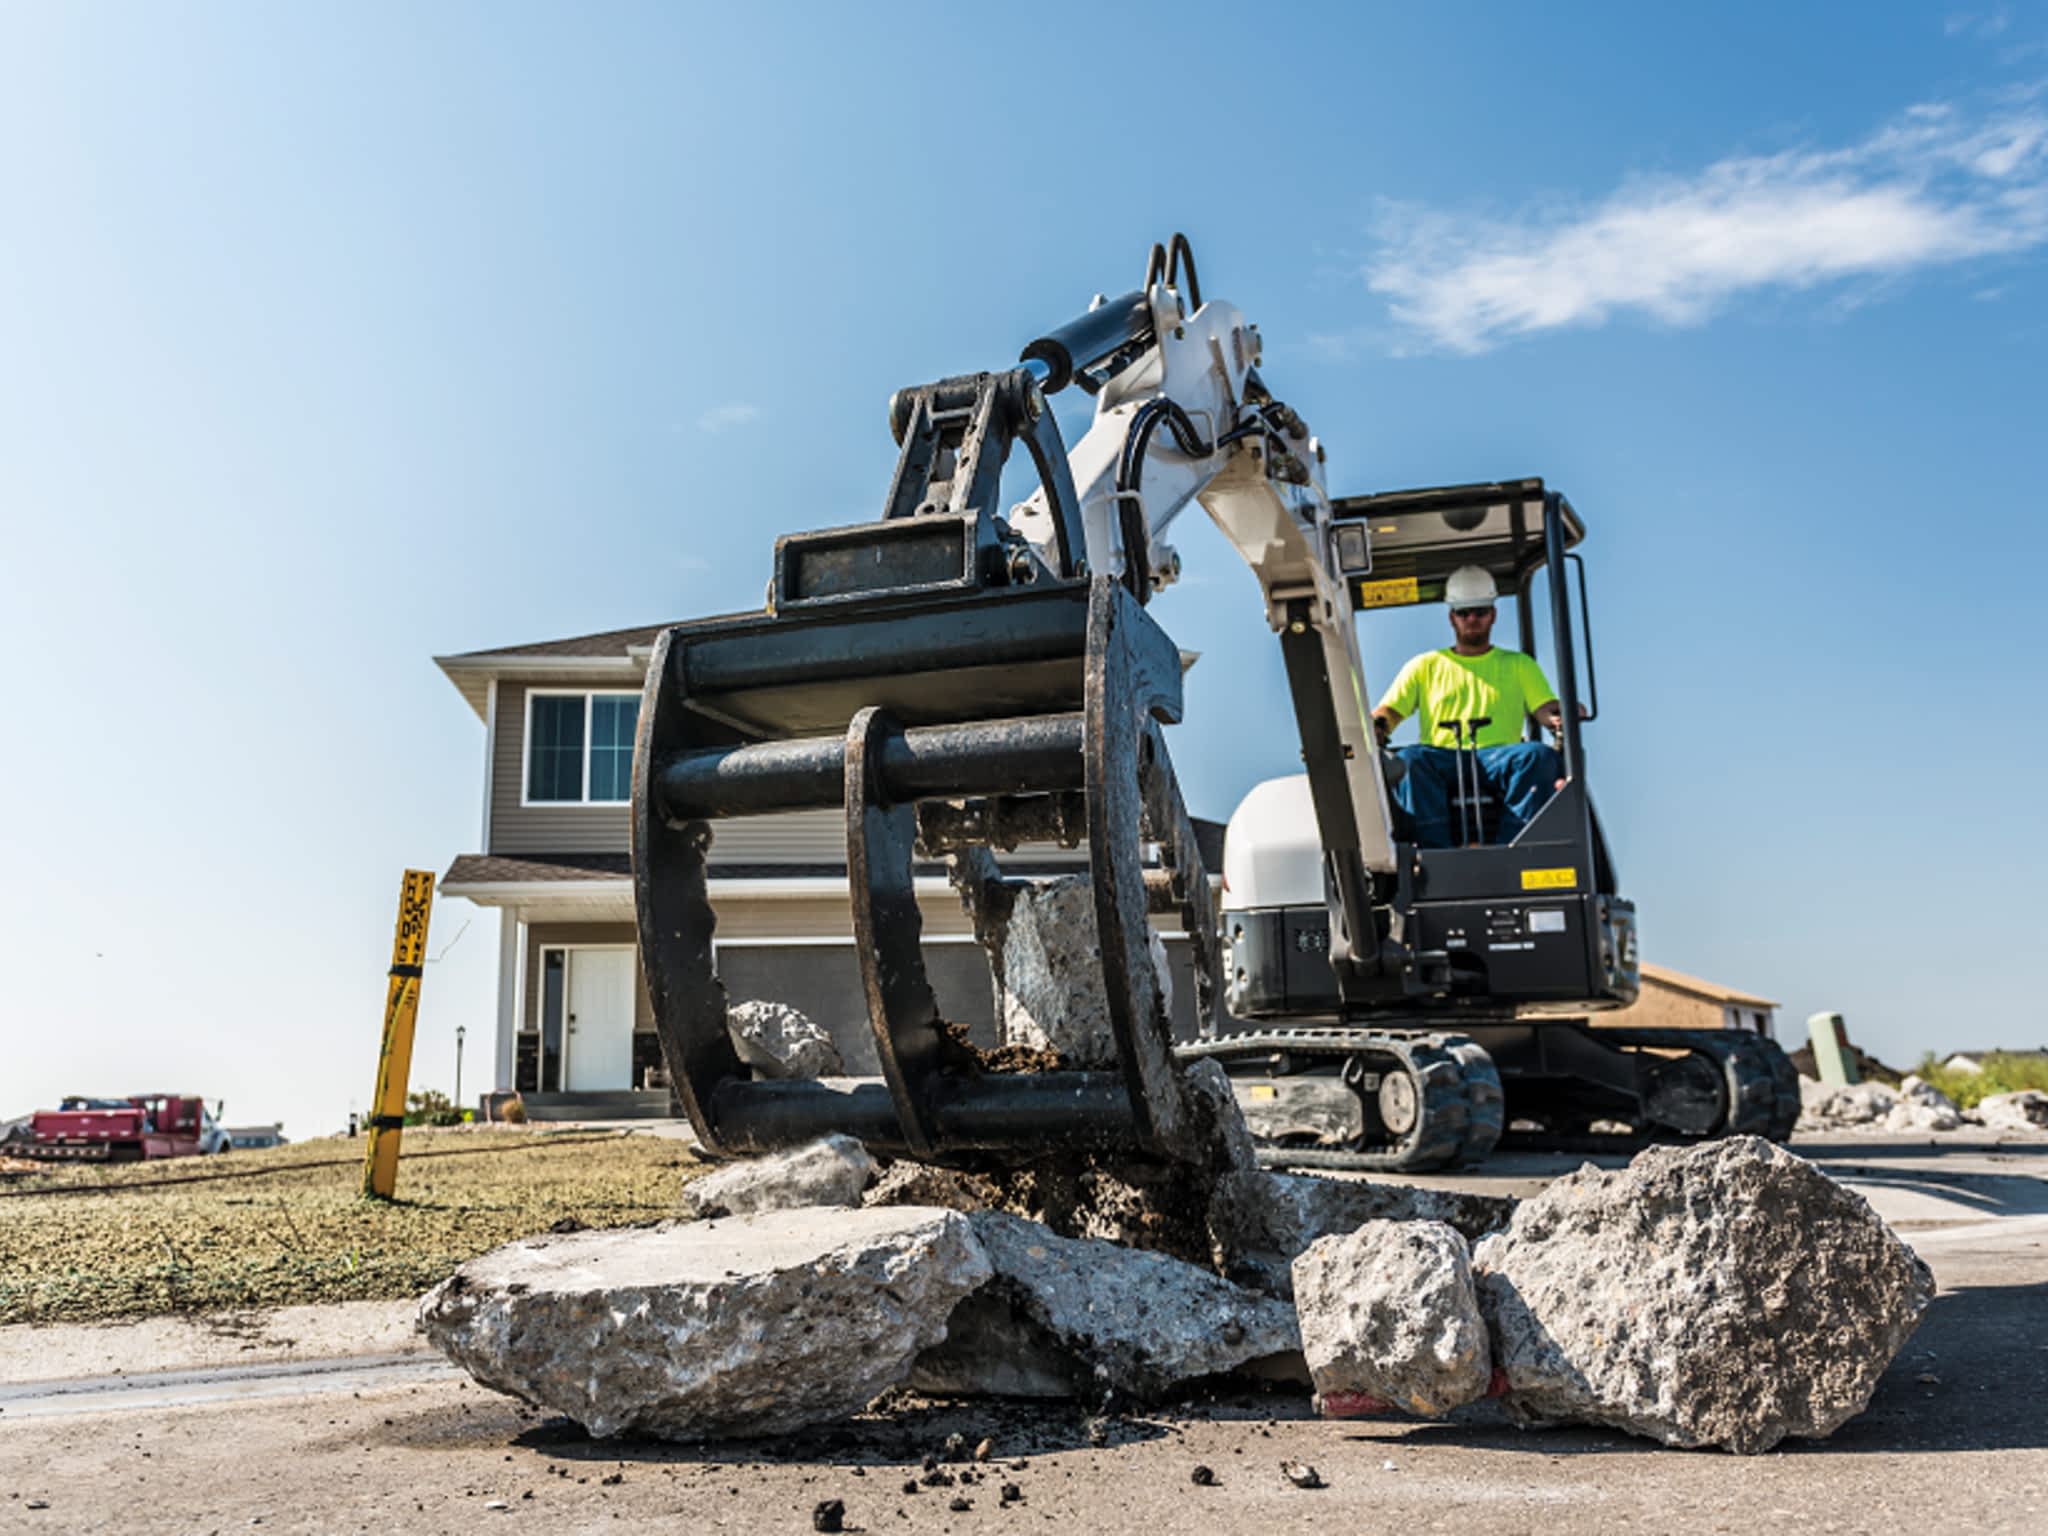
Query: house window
[(579, 747)]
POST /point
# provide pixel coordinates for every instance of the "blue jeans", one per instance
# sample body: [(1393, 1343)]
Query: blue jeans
[(1522, 777)]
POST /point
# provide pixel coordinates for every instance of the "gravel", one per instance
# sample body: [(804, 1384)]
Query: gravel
[(287, 1226)]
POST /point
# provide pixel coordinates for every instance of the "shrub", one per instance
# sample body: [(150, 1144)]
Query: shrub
[(430, 1106), (2002, 1073)]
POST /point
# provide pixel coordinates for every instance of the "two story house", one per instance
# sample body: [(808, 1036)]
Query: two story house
[(575, 1032)]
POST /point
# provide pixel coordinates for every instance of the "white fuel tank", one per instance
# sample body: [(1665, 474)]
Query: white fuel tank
[(1273, 850)]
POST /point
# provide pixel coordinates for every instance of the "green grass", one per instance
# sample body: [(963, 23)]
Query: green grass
[(189, 1235), (2001, 1074)]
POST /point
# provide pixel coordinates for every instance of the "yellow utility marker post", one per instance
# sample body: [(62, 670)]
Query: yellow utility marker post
[(401, 1009)]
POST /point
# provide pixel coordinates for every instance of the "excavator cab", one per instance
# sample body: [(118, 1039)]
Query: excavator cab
[(1500, 950), (1538, 918)]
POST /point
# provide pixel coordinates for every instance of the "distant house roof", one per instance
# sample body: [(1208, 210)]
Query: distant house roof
[(612, 651), (1713, 991), (609, 642)]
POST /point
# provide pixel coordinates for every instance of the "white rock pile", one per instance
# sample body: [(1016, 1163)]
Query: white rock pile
[(1726, 1294), (1914, 1105), (2026, 1110)]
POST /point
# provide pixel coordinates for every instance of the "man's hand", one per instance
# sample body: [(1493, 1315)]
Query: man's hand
[(1551, 716), (1383, 723)]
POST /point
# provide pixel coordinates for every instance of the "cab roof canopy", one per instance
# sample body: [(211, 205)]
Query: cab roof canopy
[(1417, 538)]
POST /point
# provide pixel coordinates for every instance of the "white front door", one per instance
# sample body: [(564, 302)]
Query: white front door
[(600, 1019)]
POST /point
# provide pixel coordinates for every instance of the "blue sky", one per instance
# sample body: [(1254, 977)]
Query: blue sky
[(336, 337)]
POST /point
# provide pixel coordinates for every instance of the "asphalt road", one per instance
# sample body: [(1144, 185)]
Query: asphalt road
[(1956, 1439)]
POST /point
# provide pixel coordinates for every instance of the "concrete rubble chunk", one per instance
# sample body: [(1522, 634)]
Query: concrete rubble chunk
[(1389, 1311), (779, 1041), (1223, 1129), (706, 1330), (912, 1183), (1049, 974), (1261, 1222), (2022, 1111), (1068, 1316), (1922, 1107), (1725, 1294), (831, 1171), (1825, 1108)]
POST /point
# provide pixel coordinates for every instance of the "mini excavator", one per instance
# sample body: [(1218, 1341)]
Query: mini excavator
[(962, 678)]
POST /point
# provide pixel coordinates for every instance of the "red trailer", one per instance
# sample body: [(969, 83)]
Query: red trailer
[(124, 1130)]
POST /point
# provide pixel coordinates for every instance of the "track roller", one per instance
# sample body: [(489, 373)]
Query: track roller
[(1426, 1100)]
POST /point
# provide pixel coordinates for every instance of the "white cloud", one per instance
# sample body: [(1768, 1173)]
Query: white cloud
[(1985, 24), (723, 418), (1935, 186)]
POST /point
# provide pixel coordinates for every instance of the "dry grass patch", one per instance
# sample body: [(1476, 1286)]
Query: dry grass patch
[(285, 1225)]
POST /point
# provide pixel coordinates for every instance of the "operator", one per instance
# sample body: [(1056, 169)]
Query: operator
[(1471, 681)]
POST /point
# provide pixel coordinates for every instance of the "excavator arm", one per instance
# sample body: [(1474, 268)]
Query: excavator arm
[(957, 679), (1190, 420)]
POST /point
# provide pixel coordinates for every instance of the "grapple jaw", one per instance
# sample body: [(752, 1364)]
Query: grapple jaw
[(941, 726)]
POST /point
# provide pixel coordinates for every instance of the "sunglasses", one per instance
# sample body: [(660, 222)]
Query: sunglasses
[(1472, 613)]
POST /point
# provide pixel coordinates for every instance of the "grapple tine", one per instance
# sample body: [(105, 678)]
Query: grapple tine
[(1125, 689), (674, 916), (888, 928)]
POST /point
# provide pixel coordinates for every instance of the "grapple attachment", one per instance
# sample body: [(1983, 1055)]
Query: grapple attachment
[(954, 692)]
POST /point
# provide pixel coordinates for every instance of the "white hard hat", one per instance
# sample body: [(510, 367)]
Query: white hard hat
[(1469, 587)]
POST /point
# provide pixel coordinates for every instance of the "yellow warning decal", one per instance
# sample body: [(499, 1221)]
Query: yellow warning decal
[(1264, 1091), (1550, 879), (1391, 593)]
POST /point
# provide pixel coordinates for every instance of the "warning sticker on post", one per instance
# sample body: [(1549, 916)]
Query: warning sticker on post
[(1550, 879), (1391, 593)]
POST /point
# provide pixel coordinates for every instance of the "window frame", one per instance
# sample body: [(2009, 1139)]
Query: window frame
[(588, 696)]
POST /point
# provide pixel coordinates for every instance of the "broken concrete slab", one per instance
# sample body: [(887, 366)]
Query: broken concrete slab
[(1261, 1222), (1389, 1311), (906, 1182), (779, 1041), (831, 1171), (1223, 1131), (1076, 1315), (1724, 1294), (1825, 1108), (1922, 1107), (2022, 1111), (705, 1330), (1049, 974)]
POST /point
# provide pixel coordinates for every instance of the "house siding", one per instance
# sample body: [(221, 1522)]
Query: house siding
[(517, 828), (800, 837), (804, 837)]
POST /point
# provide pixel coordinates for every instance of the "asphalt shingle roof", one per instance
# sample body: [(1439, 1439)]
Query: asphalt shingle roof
[(610, 642)]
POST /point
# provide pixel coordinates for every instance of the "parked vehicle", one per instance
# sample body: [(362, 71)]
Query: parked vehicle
[(144, 1125)]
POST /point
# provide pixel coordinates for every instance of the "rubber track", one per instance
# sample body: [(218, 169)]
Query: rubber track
[(1451, 1080), (1485, 1100), (1762, 1083)]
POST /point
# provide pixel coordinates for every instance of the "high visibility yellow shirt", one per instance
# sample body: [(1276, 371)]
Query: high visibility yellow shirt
[(1500, 686)]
